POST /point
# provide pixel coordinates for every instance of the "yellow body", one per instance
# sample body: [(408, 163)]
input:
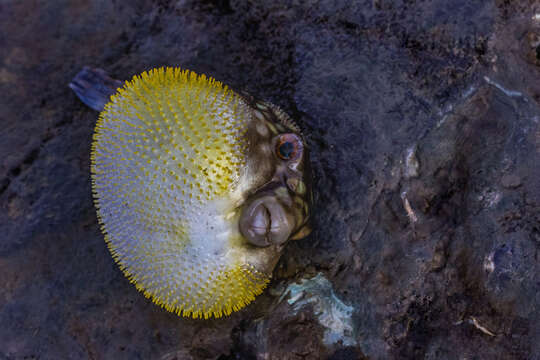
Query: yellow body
[(168, 174)]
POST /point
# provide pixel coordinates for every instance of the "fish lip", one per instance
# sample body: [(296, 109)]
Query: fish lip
[(265, 221), (264, 228)]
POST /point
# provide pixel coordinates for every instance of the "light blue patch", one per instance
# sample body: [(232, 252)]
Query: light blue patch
[(330, 311)]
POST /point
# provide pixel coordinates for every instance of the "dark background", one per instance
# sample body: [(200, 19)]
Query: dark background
[(424, 124)]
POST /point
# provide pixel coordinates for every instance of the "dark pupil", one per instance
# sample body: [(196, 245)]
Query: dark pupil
[(286, 149)]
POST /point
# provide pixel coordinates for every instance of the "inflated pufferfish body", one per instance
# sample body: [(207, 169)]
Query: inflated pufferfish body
[(197, 189)]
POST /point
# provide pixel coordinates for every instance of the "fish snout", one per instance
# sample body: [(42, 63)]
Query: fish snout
[(265, 221)]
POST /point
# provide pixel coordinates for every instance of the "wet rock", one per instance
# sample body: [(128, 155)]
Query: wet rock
[(423, 120), (510, 181)]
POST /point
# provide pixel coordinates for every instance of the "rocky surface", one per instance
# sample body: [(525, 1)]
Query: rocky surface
[(424, 124)]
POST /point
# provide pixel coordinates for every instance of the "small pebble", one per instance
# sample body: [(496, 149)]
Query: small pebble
[(510, 181)]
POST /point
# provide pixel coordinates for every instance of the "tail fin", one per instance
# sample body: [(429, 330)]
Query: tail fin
[(94, 87)]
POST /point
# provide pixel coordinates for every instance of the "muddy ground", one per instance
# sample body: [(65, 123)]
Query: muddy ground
[(423, 119)]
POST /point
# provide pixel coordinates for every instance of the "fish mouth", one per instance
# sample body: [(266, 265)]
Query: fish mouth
[(265, 221)]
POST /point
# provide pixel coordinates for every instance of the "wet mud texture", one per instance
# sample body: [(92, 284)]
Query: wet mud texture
[(424, 124)]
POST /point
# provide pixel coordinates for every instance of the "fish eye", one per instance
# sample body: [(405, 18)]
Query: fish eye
[(289, 147)]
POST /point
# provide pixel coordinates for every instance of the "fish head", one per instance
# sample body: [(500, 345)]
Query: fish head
[(276, 205)]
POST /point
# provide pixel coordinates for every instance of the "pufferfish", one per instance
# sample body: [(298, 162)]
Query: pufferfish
[(197, 188)]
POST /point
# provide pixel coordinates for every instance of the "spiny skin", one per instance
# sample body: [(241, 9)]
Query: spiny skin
[(168, 162)]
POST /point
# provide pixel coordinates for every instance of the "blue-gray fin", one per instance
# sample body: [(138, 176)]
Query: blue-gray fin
[(94, 87)]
